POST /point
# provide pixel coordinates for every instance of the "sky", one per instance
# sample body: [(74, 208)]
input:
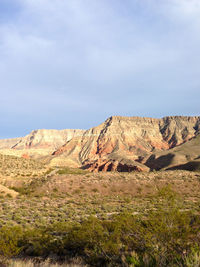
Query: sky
[(74, 63)]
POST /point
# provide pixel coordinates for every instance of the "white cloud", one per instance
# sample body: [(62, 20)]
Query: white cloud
[(96, 54), (186, 9)]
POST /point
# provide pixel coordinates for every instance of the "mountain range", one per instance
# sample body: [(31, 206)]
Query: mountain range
[(118, 144)]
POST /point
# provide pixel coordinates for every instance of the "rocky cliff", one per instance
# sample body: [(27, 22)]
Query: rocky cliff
[(131, 139), (8, 143), (120, 143), (46, 139), (39, 141), (176, 157)]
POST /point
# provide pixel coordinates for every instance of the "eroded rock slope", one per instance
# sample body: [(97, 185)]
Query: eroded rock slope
[(38, 142), (126, 143), (120, 143)]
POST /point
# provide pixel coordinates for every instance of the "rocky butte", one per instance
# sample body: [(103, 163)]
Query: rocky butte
[(119, 143), (127, 143)]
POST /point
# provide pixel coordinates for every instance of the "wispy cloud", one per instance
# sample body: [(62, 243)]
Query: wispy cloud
[(70, 64)]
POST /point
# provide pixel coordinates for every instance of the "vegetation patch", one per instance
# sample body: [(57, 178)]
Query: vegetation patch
[(106, 219), (67, 170), (166, 236)]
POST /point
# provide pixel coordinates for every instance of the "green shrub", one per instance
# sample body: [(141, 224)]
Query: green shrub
[(10, 238), (166, 236), (193, 258), (71, 171), (168, 230)]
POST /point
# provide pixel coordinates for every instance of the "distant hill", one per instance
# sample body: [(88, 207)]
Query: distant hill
[(9, 143), (120, 143), (129, 143), (185, 156), (38, 142)]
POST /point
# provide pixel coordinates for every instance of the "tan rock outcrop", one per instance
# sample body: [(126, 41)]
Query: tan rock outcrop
[(133, 137), (47, 139), (9, 143), (38, 142)]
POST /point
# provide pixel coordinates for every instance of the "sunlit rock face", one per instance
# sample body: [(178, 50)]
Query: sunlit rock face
[(9, 143), (133, 138), (47, 138), (41, 139), (118, 144), (38, 142)]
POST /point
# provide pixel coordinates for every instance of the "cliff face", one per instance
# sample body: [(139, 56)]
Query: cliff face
[(131, 138), (8, 143), (177, 130), (177, 156), (133, 135), (40, 140), (120, 143), (47, 139)]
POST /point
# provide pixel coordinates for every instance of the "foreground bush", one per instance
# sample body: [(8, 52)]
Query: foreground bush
[(166, 236), (10, 238)]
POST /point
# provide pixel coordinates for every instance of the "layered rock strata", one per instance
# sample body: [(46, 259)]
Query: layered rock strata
[(120, 143), (134, 138), (38, 142)]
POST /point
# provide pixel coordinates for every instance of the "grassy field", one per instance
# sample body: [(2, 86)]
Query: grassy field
[(34, 197)]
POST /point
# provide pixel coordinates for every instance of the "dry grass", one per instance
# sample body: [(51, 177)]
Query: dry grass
[(33, 153), (47, 263), (11, 166), (59, 198), (31, 194)]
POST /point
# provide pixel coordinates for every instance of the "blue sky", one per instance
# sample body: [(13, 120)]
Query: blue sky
[(73, 63)]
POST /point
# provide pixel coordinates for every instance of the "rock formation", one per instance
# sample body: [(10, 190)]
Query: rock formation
[(8, 143), (177, 157), (38, 142), (120, 143), (131, 139), (46, 139)]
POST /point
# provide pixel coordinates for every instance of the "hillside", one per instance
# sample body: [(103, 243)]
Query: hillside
[(9, 143), (118, 144), (58, 210), (124, 143), (183, 157), (14, 166), (38, 143)]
